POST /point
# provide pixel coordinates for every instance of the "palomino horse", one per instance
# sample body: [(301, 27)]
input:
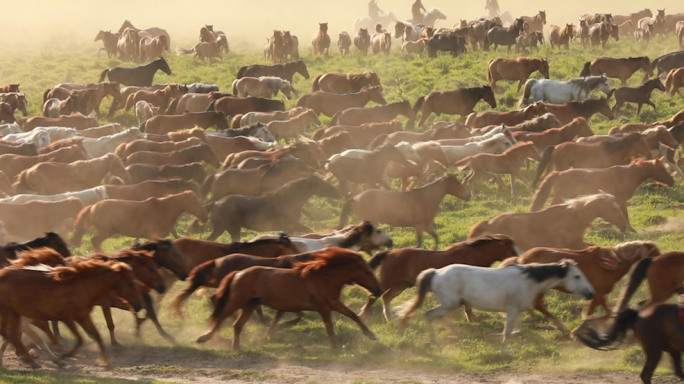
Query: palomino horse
[(321, 41), (578, 127), (600, 33), (603, 267), (85, 283), (16, 101), (558, 226), (565, 113), (400, 268), (152, 32), (378, 114), (343, 83), (559, 92), (284, 71), (197, 102), (152, 47), (515, 69), (602, 155), (527, 281), (561, 36), (378, 206), (320, 281), (458, 102), (621, 69), (110, 217), (265, 86), (486, 118), (141, 76), (640, 95), (331, 103), (278, 210)]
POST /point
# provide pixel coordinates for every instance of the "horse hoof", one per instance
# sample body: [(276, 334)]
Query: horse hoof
[(204, 338), (30, 362), (60, 363), (372, 336)]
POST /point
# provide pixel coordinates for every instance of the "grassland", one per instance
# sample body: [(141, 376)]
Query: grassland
[(539, 348)]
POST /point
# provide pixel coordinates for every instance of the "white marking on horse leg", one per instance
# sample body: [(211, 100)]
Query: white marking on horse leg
[(511, 317)]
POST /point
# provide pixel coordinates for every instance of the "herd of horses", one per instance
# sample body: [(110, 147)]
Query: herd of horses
[(241, 160)]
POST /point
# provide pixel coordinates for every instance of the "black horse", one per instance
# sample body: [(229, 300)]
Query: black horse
[(668, 62), (284, 71), (446, 42), (503, 36), (139, 76)]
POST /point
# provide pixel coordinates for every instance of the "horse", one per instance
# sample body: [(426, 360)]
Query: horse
[(56, 107), (455, 285), (362, 41), (453, 131), (515, 69), (128, 44), (446, 42), (381, 42), (6, 113), (559, 92), (258, 131), (308, 151), (89, 280), (633, 17), (251, 118), (583, 33), (109, 41), (378, 206), (127, 149), (342, 83), (51, 240), (329, 104), (107, 144), (407, 31), (329, 272), (561, 36), (494, 144), (12, 164), (400, 268), (140, 76), (152, 32), (111, 217), (378, 114), (284, 71), (53, 178), (499, 35), (321, 41), (232, 106), (294, 127), (558, 226), (160, 98), (149, 188), (483, 119), (84, 101), (430, 17), (668, 62), (197, 102), (11, 88), (640, 95), (88, 196), (680, 34), (163, 124), (152, 47), (76, 121), (38, 137), (33, 218), (621, 69), (601, 32), (674, 81), (597, 18), (265, 86), (536, 22), (578, 127), (409, 47), (197, 153), (207, 50), (143, 172), (620, 181), (529, 40), (144, 111), (16, 101), (586, 109)]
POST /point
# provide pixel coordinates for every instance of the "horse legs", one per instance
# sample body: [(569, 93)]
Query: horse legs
[(434, 314), (107, 313), (433, 233), (638, 112), (653, 355), (30, 330), (152, 315), (260, 315), (274, 325), (625, 212), (540, 305), (79, 340), (11, 331), (649, 102), (511, 316), (387, 299), (341, 308), (677, 363), (419, 236), (97, 241), (327, 320), (240, 323), (88, 326), (366, 307)]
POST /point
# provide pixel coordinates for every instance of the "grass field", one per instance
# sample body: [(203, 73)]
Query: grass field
[(653, 211)]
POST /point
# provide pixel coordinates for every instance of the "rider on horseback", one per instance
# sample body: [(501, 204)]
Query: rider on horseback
[(374, 12), (493, 8), (417, 9)]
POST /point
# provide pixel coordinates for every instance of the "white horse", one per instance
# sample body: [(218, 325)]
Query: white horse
[(559, 92), (59, 133), (251, 118), (6, 129), (495, 144), (472, 139), (39, 137), (511, 289), (368, 23), (258, 131), (404, 147), (107, 144), (87, 196)]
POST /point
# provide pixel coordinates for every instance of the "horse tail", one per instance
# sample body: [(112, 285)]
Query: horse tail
[(470, 120), (424, 283), (335, 119), (544, 191), (185, 51), (199, 277), (221, 299), (130, 101), (544, 163), (478, 229), (206, 186), (526, 92), (515, 260), (241, 72), (211, 106), (235, 90), (376, 260), (637, 275), (490, 77), (315, 86), (419, 104), (103, 75), (346, 210), (82, 223), (586, 70)]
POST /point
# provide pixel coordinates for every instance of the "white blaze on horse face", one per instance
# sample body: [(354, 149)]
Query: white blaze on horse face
[(576, 282)]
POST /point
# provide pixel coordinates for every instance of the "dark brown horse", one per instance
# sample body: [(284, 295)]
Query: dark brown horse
[(621, 69), (342, 83), (331, 103), (50, 240), (639, 95), (585, 109), (142, 172), (458, 102), (499, 35), (6, 113), (284, 71), (518, 69), (163, 124), (382, 113)]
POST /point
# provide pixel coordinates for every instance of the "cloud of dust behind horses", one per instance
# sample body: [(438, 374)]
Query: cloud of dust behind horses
[(71, 23)]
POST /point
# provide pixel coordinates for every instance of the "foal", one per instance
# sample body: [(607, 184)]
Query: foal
[(640, 95)]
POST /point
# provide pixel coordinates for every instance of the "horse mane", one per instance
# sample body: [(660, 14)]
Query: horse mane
[(328, 258), (282, 239), (33, 257), (621, 143), (87, 269), (352, 237), (480, 242), (541, 272)]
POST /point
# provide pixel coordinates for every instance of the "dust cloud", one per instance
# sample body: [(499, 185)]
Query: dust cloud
[(65, 24)]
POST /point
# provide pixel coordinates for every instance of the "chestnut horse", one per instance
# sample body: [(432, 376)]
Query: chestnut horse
[(12, 164), (421, 204), (319, 283), (307, 151), (379, 114), (400, 268), (143, 172), (149, 188), (16, 101), (621, 69), (126, 149), (196, 153), (558, 226), (561, 36), (483, 119), (640, 95), (362, 134), (578, 127), (331, 103), (158, 217), (585, 108), (674, 80), (232, 106), (342, 83), (458, 102), (163, 124), (515, 69), (321, 41), (601, 32)]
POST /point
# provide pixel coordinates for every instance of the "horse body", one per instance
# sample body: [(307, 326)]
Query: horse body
[(483, 119), (515, 69), (88, 196), (586, 109), (601, 32), (561, 36), (558, 92), (331, 103), (141, 76), (381, 42), (621, 69), (554, 136), (640, 95), (31, 219), (108, 144), (265, 86), (382, 113), (163, 124), (503, 36), (343, 83), (362, 40), (321, 41), (284, 71)]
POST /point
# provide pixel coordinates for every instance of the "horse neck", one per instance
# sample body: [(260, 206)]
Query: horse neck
[(338, 240), (583, 218), (172, 206), (431, 196), (630, 177), (334, 277)]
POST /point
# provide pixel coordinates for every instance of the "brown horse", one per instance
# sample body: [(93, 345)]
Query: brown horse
[(620, 181), (640, 95), (585, 108), (331, 103), (362, 134), (342, 83), (561, 36), (196, 102), (602, 155), (419, 206), (536, 22), (163, 124), (337, 143), (674, 80), (56, 107), (344, 43), (150, 188), (257, 181), (537, 124), (319, 282), (98, 91), (508, 163), (362, 41), (18, 149), (307, 151), (143, 172), (276, 211), (515, 69), (53, 178), (196, 153), (111, 217), (126, 149), (321, 41), (602, 266), (379, 114), (78, 122), (152, 47), (10, 88), (6, 113), (12, 164), (295, 127), (83, 101), (284, 71), (601, 32), (498, 35), (158, 98), (458, 102), (85, 283), (16, 101), (232, 106), (483, 119), (452, 131), (578, 127), (400, 268), (558, 226), (381, 42), (621, 69)]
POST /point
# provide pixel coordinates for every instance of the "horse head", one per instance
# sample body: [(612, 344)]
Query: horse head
[(573, 280), (455, 188), (323, 28), (542, 16)]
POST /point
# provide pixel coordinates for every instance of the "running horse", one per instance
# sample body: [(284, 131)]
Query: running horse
[(151, 32), (343, 83), (561, 36), (499, 35), (321, 41), (558, 92), (458, 102), (331, 103), (565, 113), (536, 22), (621, 69), (600, 33), (378, 114), (141, 76), (515, 69), (284, 71), (16, 101)]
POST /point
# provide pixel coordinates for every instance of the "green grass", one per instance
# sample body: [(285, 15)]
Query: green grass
[(538, 348), (20, 377)]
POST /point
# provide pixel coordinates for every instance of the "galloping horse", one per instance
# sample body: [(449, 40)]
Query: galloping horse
[(284, 71), (458, 102), (152, 32), (141, 76), (331, 103), (321, 41), (561, 36), (621, 69), (515, 69), (559, 92)]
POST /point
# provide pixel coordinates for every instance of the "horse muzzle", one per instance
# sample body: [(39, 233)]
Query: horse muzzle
[(160, 288), (389, 243), (376, 292), (589, 294), (137, 307)]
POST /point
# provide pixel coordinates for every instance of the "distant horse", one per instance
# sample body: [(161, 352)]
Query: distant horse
[(344, 82), (559, 92), (600, 33), (382, 113), (344, 42), (56, 107), (16, 101), (639, 95), (128, 45), (536, 22), (109, 40), (458, 102), (331, 103), (362, 41), (621, 69), (674, 81), (446, 42), (381, 42), (264, 86), (207, 50), (284, 71), (141, 76), (561, 36), (566, 112), (152, 32), (503, 36), (429, 18), (152, 47), (321, 41), (9, 88)]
